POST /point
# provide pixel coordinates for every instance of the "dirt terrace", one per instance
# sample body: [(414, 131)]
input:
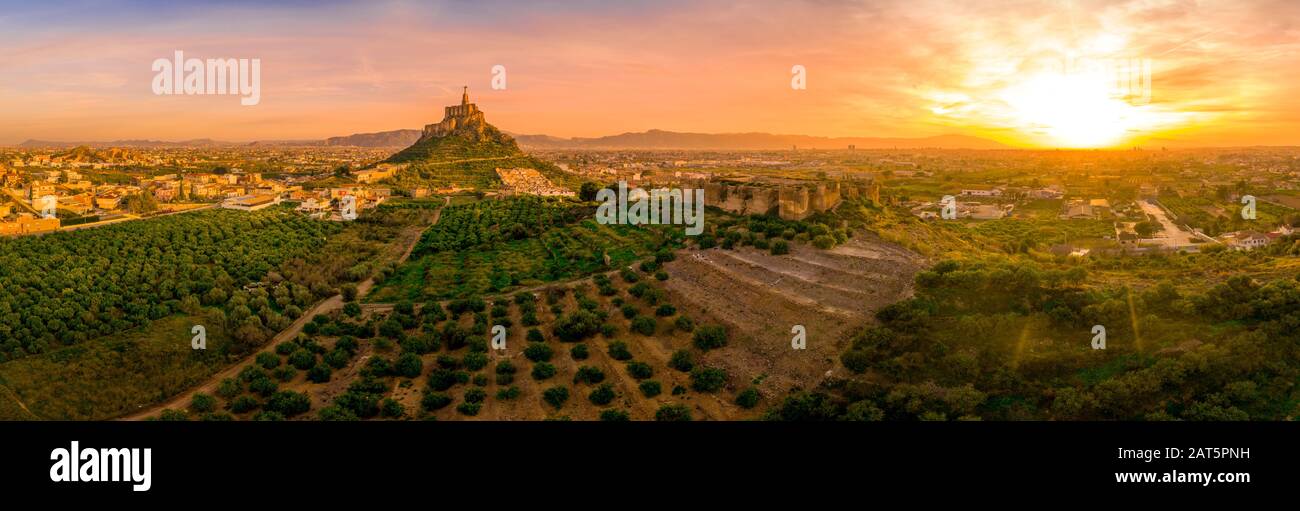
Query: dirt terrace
[(760, 297)]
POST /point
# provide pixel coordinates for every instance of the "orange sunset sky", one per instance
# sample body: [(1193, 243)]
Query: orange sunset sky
[(1222, 72)]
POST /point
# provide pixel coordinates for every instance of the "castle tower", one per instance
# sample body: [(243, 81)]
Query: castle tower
[(464, 96)]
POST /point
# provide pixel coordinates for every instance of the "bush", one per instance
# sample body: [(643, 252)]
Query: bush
[(441, 379), (640, 370), (337, 358), (823, 242), (289, 403), (579, 352), (266, 416), (602, 395), (614, 416), (708, 379), (535, 335), (243, 404), (618, 351), (434, 401), (268, 361), (588, 374), (643, 325), (577, 326), (302, 359), (682, 360), (508, 393), (748, 398), (781, 247), (538, 352), (661, 275), (475, 361), (710, 337), (650, 388), (629, 311), (506, 367), (202, 403), (319, 373), (684, 323), (475, 395), (392, 408), (673, 413), (284, 348), (543, 370), (470, 409), (556, 396), (263, 386), (229, 388), (408, 365), (284, 373)]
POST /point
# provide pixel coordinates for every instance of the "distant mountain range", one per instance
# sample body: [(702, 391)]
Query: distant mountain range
[(653, 139), (659, 139)]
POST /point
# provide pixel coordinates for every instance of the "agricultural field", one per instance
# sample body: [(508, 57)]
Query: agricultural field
[(113, 374)]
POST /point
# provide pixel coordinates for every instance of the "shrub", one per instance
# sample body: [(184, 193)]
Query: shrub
[(284, 348), (588, 374), (202, 403), (470, 409), (643, 325), (543, 370), (268, 416), (229, 388), (556, 396), (780, 247), (614, 416), (661, 275), (538, 352), (268, 360), (748, 398), (708, 379), (475, 395), (263, 386), (684, 323), (441, 379), (319, 373), (172, 415), (618, 351), (284, 373), (673, 413), (602, 395), (579, 352), (302, 359), (508, 393), (682, 360), (506, 367), (710, 337), (434, 401), (408, 365), (665, 310), (243, 404), (475, 361), (392, 408), (535, 335), (823, 242), (289, 403), (337, 358), (650, 388), (577, 326), (640, 370)]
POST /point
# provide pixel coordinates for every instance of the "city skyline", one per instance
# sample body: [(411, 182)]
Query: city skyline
[(1222, 74)]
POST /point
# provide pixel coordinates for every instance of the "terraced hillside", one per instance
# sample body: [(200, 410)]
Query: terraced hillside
[(761, 297)]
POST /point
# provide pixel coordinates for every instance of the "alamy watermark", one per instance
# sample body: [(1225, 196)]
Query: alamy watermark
[(235, 77), (678, 206)]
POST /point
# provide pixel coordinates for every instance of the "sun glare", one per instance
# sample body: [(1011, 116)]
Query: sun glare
[(1072, 109)]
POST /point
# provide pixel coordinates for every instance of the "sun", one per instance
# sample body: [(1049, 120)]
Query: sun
[(1076, 110)]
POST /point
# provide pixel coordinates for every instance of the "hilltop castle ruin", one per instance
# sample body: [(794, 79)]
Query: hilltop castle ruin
[(464, 117)]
